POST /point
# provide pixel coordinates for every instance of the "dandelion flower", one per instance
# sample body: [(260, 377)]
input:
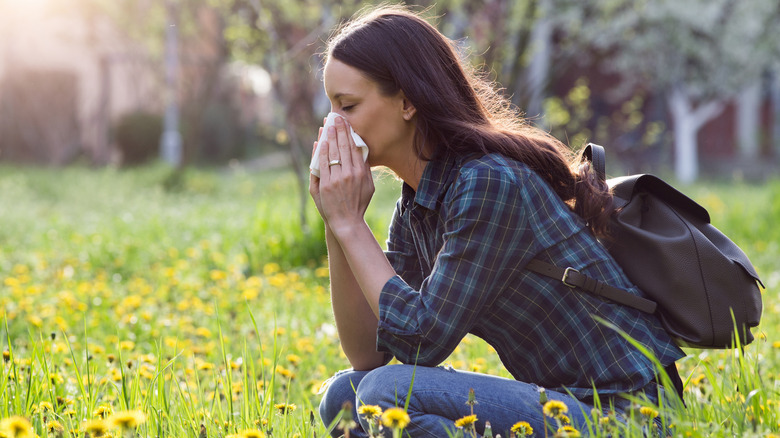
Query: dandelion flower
[(17, 427), (103, 411), (127, 419), (251, 433), (45, 406), (522, 428), (466, 422), (567, 432), (285, 408), (554, 408), (370, 412), (648, 412), (55, 427), (395, 418), (96, 428)]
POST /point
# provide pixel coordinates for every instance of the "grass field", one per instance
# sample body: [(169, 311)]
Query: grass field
[(197, 301)]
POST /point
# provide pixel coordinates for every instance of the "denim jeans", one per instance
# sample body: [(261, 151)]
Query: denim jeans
[(439, 398)]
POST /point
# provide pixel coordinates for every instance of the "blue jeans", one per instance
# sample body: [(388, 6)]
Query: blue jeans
[(439, 398)]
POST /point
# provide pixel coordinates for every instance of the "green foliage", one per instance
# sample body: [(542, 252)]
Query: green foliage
[(138, 136)]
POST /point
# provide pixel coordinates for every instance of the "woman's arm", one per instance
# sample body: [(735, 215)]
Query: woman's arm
[(356, 321)]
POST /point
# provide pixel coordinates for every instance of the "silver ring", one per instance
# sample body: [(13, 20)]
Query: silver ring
[(334, 163)]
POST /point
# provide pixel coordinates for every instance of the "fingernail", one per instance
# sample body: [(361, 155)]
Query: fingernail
[(331, 131)]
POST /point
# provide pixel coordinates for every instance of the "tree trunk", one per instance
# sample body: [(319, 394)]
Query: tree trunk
[(687, 122), (775, 97), (748, 121), (539, 68)]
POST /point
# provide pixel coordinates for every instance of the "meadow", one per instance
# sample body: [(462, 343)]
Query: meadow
[(146, 302)]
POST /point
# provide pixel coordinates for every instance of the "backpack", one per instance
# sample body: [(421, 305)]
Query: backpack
[(698, 282)]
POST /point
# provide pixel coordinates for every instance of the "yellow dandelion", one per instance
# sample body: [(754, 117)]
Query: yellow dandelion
[(103, 411), (606, 421), (17, 427), (293, 359), (54, 427), (395, 418), (251, 433), (370, 412), (567, 432), (45, 406), (127, 419), (648, 412), (466, 422), (203, 332), (285, 408), (553, 408), (522, 428)]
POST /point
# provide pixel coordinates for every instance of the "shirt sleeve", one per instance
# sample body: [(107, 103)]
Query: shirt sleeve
[(484, 240), (401, 251)]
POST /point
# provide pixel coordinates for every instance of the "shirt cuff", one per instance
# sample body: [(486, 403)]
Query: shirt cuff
[(398, 332)]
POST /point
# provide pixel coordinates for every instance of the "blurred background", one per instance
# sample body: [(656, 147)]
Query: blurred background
[(686, 87)]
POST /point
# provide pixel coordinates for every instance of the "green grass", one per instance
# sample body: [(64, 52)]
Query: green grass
[(198, 299)]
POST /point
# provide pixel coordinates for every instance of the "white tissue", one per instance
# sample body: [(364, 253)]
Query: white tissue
[(330, 121)]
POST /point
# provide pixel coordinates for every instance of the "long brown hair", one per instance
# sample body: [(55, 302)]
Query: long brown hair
[(458, 109)]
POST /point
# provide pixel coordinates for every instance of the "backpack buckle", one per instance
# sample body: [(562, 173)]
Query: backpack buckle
[(565, 277)]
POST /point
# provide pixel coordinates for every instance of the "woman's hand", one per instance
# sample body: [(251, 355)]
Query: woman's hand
[(345, 186), (314, 181)]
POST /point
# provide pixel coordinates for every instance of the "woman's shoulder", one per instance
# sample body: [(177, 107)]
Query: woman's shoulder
[(495, 166)]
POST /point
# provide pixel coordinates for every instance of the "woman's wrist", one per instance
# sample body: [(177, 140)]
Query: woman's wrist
[(346, 228)]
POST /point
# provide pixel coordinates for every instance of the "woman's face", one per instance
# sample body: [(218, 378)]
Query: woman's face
[(384, 122)]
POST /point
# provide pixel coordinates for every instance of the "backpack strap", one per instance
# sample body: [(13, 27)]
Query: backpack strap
[(572, 278), (598, 159)]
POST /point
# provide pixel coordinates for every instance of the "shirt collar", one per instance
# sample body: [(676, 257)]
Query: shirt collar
[(436, 178)]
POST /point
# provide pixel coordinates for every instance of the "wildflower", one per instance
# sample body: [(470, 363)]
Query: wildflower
[(395, 418), (251, 433), (554, 408), (567, 432), (488, 431), (347, 422), (103, 411), (6, 355), (45, 406), (293, 359), (54, 427), (466, 422), (370, 412), (17, 427), (542, 396), (96, 428), (285, 408), (472, 400), (522, 428), (127, 419), (648, 412)]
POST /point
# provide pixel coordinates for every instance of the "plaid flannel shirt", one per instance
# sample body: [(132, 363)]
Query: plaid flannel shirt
[(459, 245)]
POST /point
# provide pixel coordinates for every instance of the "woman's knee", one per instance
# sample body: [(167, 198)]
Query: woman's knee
[(385, 386), (339, 389)]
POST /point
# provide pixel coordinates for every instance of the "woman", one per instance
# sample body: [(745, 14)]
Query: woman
[(483, 194)]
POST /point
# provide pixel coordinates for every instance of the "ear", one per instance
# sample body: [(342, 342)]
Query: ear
[(408, 110)]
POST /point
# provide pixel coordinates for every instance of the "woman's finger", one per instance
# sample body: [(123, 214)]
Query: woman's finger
[(333, 150), (345, 143)]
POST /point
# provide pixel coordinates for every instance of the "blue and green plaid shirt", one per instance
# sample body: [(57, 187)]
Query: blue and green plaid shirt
[(459, 245)]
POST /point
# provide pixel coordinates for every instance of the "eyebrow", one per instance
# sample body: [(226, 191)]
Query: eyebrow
[(338, 96)]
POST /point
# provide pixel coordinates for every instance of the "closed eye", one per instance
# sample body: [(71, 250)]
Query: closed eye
[(348, 108)]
